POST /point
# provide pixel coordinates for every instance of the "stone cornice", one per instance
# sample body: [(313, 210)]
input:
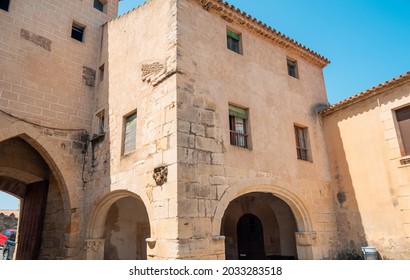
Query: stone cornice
[(233, 15)]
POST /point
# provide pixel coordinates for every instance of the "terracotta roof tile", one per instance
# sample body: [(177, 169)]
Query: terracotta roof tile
[(278, 37), (367, 93)]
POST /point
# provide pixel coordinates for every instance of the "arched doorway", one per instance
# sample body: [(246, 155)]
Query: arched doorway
[(126, 230), (259, 226), (25, 174), (119, 227)]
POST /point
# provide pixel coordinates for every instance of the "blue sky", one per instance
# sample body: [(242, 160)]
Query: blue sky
[(367, 41)]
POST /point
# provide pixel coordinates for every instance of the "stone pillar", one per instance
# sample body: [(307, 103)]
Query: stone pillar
[(217, 247), (94, 249), (304, 244)]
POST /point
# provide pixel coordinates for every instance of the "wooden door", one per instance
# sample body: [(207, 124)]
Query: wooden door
[(250, 238), (31, 223)]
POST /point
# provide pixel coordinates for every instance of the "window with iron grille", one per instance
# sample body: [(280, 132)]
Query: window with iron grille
[(238, 118), (130, 131), (403, 121), (4, 5), (301, 143), (233, 41), (292, 68)]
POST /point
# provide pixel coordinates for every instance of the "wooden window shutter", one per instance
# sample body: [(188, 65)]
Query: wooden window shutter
[(130, 132), (403, 119)]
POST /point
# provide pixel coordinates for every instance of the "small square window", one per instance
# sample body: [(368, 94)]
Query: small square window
[(234, 42), (130, 131), (101, 122), (302, 144), (293, 68), (403, 122), (238, 118), (100, 5), (4, 5), (77, 32)]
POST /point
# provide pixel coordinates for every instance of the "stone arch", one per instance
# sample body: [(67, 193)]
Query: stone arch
[(28, 171), (49, 149), (305, 237), (94, 243), (281, 190)]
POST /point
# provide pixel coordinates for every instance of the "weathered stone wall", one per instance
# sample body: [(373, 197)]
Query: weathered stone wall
[(139, 57), (209, 167), (371, 185), (45, 100)]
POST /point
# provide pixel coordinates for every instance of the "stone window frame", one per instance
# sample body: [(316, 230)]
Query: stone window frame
[(239, 138), (403, 130), (76, 29), (293, 68), (5, 5), (100, 5), (101, 71), (234, 41), (129, 137), (101, 122), (302, 142)]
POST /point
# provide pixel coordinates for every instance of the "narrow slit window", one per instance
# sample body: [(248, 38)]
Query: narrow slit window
[(101, 122), (4, 5), (77, 32), (101, 72)]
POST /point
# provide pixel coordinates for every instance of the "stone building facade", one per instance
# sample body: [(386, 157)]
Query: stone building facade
[(368, 140), (184, 129)]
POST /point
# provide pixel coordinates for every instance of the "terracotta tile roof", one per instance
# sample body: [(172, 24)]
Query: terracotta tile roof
[(234, 15), (367, 93)]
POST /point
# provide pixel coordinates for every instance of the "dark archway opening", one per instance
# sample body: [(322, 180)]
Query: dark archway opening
[(259, 226), (250, 238)]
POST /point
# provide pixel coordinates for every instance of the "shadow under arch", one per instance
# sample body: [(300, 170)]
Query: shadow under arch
[(299, 210), (111, 221), (95, 228), (49, 152), (29, 172)]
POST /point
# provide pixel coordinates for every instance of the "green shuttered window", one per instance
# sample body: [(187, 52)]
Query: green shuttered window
[(233, 41), (238, 126), (130, 132)]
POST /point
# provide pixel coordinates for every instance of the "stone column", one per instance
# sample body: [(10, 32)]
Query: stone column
[(304, 244), (94, 249)]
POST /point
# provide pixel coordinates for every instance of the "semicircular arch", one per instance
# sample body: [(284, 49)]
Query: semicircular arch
[(96, 224), (299, 210)]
